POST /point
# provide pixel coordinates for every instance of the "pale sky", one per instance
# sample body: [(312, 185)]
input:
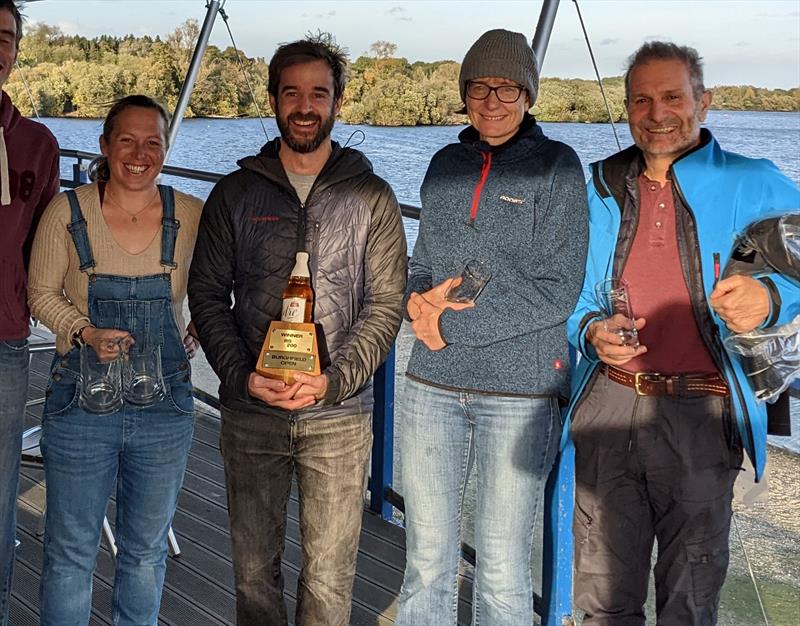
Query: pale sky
[(742, 41)]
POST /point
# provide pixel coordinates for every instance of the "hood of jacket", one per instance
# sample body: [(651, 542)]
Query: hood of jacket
[(343, 163)]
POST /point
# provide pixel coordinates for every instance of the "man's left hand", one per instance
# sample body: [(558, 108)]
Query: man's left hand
[(742, 302), (314, 386)]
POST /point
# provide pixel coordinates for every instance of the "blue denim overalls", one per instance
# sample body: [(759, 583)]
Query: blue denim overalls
[(143, 449)]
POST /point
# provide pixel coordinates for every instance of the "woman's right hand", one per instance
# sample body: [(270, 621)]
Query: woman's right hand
[(107, 342)]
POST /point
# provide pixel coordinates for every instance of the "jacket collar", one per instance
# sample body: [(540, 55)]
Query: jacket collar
[(611, 176), (528, 129), (343, 163)]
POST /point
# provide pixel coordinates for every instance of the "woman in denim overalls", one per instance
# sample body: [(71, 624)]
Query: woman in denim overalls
[(143, 449)]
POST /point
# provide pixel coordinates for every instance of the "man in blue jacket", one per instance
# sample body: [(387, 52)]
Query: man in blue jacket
[(659, 424)]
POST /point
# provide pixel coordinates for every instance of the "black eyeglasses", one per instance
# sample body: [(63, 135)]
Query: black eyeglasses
[(505, 93)]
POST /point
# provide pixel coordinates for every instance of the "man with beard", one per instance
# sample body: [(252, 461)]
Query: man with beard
[(28, 180), (303, 192), (659, 423)]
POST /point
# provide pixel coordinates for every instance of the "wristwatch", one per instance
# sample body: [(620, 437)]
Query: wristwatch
[(77, 337)]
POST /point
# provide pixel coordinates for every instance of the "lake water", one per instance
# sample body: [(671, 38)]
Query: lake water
[(401, 155)]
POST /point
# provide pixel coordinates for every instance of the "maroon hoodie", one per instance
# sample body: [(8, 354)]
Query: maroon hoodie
[(29, 173)]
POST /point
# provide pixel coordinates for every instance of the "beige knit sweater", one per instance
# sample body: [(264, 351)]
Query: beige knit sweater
[(58, 291)]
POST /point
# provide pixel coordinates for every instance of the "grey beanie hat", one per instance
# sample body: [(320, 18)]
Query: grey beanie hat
[(504, 54)]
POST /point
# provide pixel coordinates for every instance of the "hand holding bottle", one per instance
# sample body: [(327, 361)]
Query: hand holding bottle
[(314, 386), (277, 393)]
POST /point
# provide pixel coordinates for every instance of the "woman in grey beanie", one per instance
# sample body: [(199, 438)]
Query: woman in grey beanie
[(485, 377)]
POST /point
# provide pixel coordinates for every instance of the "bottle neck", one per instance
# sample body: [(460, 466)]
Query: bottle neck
[(300, 268)]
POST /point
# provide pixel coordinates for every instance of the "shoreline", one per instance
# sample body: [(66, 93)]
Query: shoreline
[(464, 123)]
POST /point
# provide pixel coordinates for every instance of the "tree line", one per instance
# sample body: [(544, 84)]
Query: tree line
[(75, 76)]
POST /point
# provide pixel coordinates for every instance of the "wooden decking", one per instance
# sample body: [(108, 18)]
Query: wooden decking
[(199, 585)]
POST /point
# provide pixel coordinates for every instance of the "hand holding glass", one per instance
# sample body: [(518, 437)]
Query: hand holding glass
[(474, 277), (614, 299), (101, 382)]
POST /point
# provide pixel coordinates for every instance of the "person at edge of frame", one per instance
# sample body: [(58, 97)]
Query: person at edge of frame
[(659, 427), (29, 173), (485, 377), (302, 192)]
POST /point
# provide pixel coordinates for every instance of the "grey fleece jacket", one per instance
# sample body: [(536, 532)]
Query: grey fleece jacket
[(521, 209)]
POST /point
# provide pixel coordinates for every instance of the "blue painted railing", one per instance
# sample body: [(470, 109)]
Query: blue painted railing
[(555, 605)]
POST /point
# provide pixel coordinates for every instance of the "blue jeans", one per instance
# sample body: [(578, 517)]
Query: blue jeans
[(13, 391), (144, 450), (511, 442)]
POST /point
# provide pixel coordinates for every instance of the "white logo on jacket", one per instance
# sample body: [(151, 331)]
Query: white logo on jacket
[(505, 198)]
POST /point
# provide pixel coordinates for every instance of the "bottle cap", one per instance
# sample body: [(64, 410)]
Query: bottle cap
[(301, 265)]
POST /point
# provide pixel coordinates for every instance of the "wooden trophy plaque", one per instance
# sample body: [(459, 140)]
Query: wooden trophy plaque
[(289, 348)]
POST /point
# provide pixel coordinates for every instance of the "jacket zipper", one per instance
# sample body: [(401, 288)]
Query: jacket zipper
[(630, 236), (589, 318), (714, 344), (476, 194), (617, 269)]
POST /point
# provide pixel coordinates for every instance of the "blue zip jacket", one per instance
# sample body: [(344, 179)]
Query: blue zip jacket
[(720, 193)]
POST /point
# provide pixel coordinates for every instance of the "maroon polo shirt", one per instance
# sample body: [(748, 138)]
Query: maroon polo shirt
[(658, 291)]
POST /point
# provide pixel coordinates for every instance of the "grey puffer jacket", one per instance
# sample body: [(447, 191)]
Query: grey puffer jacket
[(246, 245)]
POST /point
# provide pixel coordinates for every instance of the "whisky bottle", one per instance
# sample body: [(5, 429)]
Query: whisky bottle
[(298, 298)]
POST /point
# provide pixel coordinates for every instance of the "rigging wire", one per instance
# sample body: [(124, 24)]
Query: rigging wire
[(27, 88), (597, 73), (244, 71), (750, 569)]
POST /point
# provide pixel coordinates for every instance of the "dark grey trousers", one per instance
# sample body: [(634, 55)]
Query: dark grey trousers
[(329, 458), (650, 468)]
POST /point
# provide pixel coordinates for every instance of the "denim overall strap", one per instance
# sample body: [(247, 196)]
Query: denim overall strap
[(141, 305), (80, 236), (169, 227)]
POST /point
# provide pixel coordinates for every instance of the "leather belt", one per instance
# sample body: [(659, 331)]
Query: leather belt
[(650, 384)]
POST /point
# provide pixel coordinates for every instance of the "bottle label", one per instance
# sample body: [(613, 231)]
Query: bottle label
[(294, 310)]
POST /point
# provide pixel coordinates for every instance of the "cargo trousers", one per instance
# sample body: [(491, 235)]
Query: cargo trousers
[(652, 468)]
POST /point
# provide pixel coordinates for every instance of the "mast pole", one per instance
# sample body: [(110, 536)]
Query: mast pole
[(544, 28), (212, 8), (556, 601)]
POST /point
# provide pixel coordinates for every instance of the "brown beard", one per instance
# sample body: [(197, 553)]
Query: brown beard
[(304, 147)]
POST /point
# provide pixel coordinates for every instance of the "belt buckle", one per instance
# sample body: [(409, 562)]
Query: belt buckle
[(638, 377)]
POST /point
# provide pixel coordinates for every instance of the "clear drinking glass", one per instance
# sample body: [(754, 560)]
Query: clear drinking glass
[(142, 377), (614, 299), (101, 382), (474, 277)]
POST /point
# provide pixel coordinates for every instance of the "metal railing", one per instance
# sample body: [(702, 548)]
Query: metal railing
[(555, 604)]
